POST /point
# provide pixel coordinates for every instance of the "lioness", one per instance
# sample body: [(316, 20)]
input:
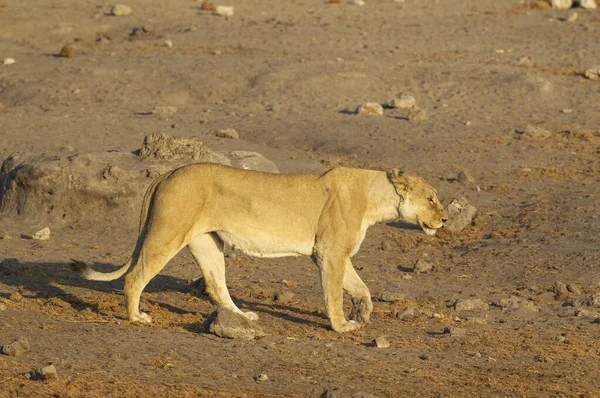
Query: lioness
[(325, 216)]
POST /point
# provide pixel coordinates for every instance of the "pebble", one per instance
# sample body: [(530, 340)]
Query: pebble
[(567, 110), (471, 304), (572, 17), (164, 110), (562, 4), (454, 331), (390, 297), (417, 114), (121, 10), (169, 43), (46, 373), (261, 377), (284, 297), (560, 290), (592, 301), (224, 11), (406, 314), (574, 289), (228, 133), (385, 245), (561, 339), (533, 133), (588, 4), (42, 234), (465, 178), (66, 52), (359, 2), (424, 357), (402, 102), (17, 348), (514, 303), (3, 234), (592, 73), (381, 342), (15, 296), (8, 61), (423, 265), (370, 108)]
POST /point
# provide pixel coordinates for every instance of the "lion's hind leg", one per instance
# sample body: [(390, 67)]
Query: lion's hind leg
[(207, 249)]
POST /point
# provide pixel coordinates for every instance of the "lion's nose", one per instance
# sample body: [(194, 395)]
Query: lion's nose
[(444, 219)]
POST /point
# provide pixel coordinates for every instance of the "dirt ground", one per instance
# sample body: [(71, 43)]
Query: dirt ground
[(288, 75)]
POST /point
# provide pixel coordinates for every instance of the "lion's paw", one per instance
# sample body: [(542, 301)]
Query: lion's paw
[(253, 316), (142, 318), (347, 327), (361, 310)]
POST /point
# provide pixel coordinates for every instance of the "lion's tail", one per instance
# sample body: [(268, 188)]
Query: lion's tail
[(88, 273)]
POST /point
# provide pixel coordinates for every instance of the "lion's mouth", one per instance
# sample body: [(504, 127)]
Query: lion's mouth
[(428, 228)]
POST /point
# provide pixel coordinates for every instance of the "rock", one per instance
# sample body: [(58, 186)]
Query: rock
[(121, 10), (358, 2), (533, 133), (465, 178), (571, 17), (525, 61), (66, 52), (169, 43), (514, 303), (574, 289), (370, 109), (592, 300), (261, 377), (417, 114), (17, 348), (8, 61), (424, 357), (164, 110), (423, 265), (228, 133), (561, 4), (385, 245), (401, 102), (3, 234), (226, 323), (15, 296), (560, 290), (42, 234), (284, 297), (460, 215), (471, 304), (11, 266), (45, 373), (161, 146), (252, 161), (588, 4), (592, 73), (224, 11), (390, 297), (406, 314), (583, 312), (381, 342), (455, 331)]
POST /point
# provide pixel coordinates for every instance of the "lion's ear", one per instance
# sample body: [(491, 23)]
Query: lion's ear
[(400, 181), (396, 173)]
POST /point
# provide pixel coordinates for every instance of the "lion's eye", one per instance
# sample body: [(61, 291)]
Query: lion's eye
[(431, 201)]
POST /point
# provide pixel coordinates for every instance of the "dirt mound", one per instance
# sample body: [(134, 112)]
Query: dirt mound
[(102, 186)]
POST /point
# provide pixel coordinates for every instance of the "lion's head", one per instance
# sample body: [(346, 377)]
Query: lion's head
[(420, 203)]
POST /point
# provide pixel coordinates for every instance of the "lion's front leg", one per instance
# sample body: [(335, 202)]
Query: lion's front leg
[(362, 305)]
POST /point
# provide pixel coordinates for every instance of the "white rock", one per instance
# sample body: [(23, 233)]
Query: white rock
[(404, 101), (562, 4), (592, 73), (42, 234), (120, 10), (589, 4), (9, 61), (572, 17), (370, 108), (358, 2), (381, 342), (228, 133), (224, 11), (262, 377), (169, 43)]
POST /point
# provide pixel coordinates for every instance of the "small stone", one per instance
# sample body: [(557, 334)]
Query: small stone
[(588, 4), (358, 2), (574, 289), (533, 133), (525, 61), (561, 4), (169, 43), (561, 339), (514, 303), (460, 215), (381, 342), (8, 61), (572, 17), (164, 110), (3, 234), (466, 179), (121, 10), (226, 323), (42, 234), (585, 313), (224, 11), (454, 331), (591, 301), (390, 297), (560, 290), (406, 314), (66, 52), (385, 245), (477, 355), (17, 348), (417, 114), (424, 357), (261, 377), (228, 133), (423, 265), (402, 102), (471, 304), (592, 73), (567, 110), (45, 373), (15, 296), (284, 297), (370, 109)]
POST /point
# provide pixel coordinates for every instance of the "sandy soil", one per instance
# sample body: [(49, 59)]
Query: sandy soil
[(288, 76)]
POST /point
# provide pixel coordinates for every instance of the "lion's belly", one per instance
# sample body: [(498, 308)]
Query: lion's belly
[(261, 244)]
